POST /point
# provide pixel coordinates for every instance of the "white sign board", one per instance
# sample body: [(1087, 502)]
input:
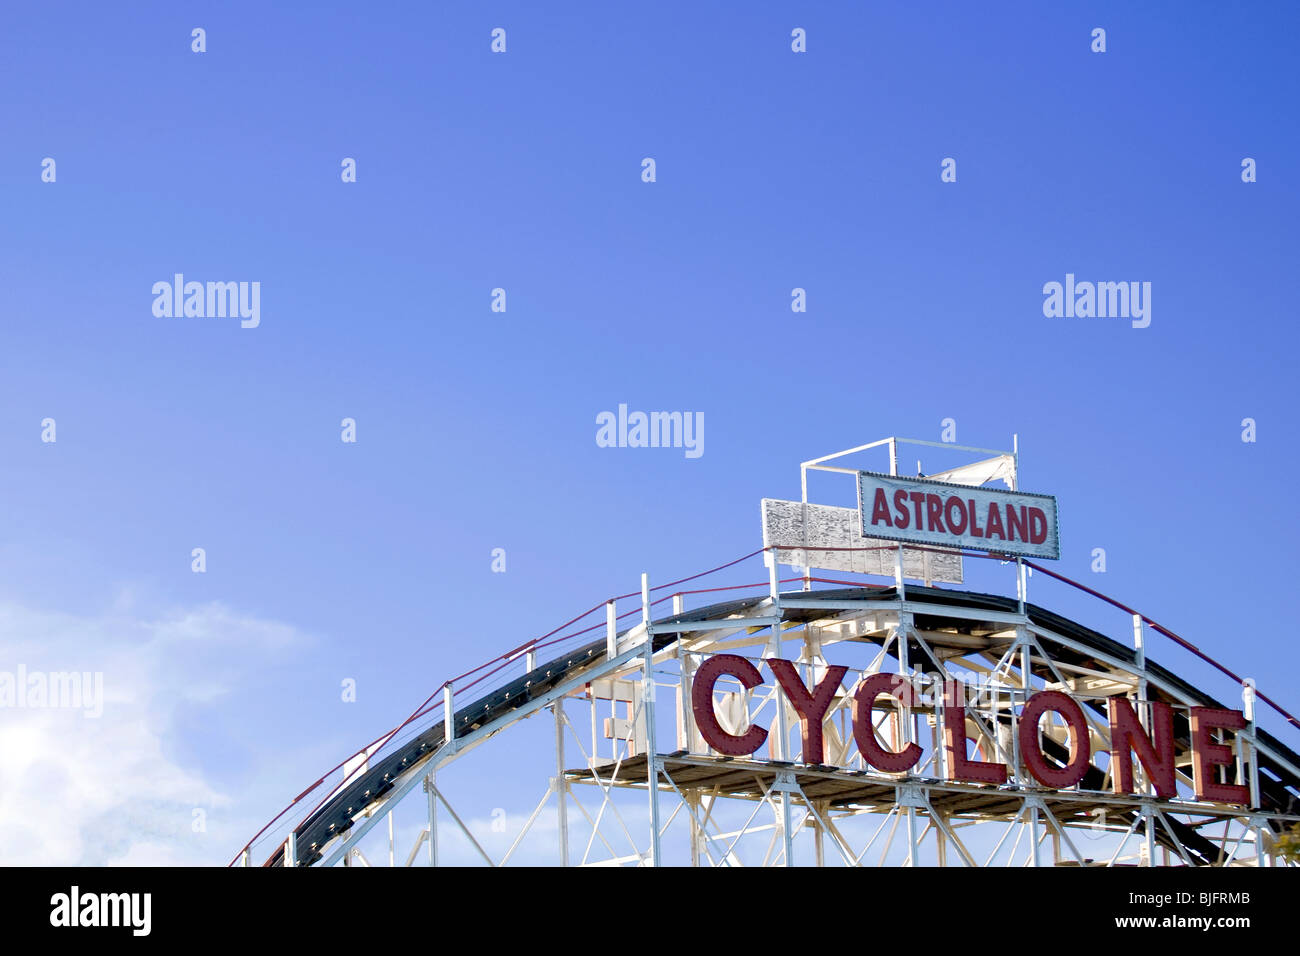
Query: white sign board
[(823, 536), (924, 511)]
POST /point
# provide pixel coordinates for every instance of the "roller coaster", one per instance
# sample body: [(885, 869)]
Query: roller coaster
[(633, 755)]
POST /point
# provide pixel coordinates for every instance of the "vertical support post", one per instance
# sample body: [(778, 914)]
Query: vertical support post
[(1149, 846), (392, 840), (803, 482), (898, 554), (787, 818), (448, 716), (1022, 584), (1139, 647), (1252, 766), (245, 858), (648, 710), (1022, 580), (1017, 759), (433, 818), (291, 849), (912, 859), (692, 799), (685, 714), (901, 630), (778, 743), (900, 634), (1143, 705), (530, 660), (818, 835), (939, 750), (611, 630), (561, 785), (1034, 827)]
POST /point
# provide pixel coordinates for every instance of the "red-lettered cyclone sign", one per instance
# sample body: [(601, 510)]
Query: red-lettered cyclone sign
[(957, 516)]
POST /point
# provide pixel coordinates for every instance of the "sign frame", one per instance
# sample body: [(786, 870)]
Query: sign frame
[(947, 539)]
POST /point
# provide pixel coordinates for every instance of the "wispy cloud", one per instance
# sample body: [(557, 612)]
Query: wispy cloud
[(111, 790)]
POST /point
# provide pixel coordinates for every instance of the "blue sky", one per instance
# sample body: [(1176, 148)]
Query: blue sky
[(476, 429)]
